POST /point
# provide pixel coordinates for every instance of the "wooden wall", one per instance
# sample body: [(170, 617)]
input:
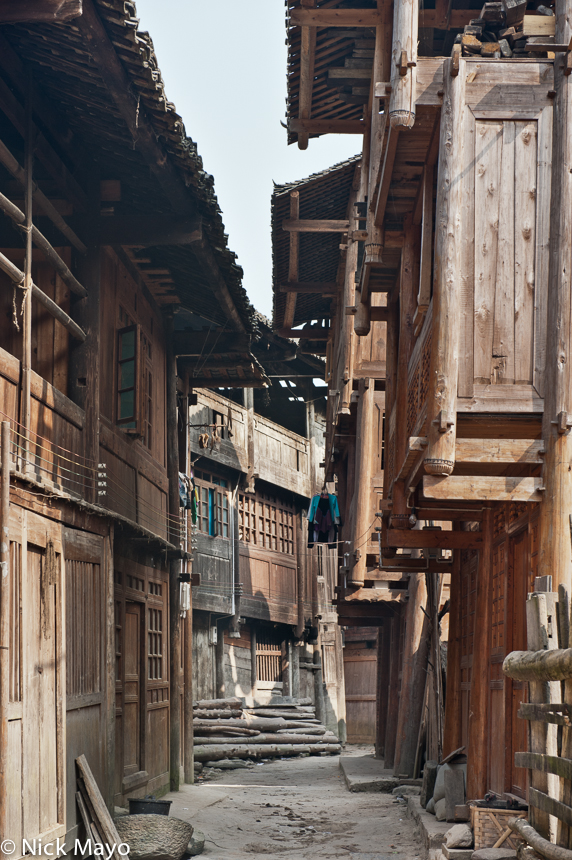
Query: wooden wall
[(360, 673)]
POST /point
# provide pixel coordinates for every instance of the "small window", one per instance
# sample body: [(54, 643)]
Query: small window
[(155, 654), (214, 505), (127, 377), (221, 424)]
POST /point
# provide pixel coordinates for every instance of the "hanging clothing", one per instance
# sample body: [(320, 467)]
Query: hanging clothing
[(323, 520)]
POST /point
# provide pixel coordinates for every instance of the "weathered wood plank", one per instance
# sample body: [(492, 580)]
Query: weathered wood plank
[(525, 202), (467, 275), (544, 181), (562, 767), (483, 488), (553, 665), (499, 451), (420, 538), (502, 366), (488, 152), (550, 805)]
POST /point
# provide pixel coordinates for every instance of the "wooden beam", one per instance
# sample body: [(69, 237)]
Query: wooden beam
[(490, 450), (334, 17), (38, 11), (293, 258), (324, 288), (404, 64), (141, 230), (385, 179), (363, 467), (203, 252), (309, 332), (458, 18), (306, 86), (189, 343), (483, 488), (315, 226), (429, 539), (327, 126), (371, 595)]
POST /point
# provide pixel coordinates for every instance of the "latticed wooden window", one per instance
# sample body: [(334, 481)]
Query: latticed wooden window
[(155, 651), (286, 531), (268, 658), (247, 519)]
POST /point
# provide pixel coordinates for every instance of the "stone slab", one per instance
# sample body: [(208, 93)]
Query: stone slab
[(366, 773), (457, 853)]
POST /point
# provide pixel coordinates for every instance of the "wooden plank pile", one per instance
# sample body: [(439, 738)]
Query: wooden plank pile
[(225, 729), (504, 30), (98, 823)]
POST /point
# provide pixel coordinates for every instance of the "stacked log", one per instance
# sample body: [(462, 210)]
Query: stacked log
[(504, 30), (225, 729)]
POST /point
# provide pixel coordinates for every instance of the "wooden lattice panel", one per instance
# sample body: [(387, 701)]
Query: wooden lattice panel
[(413, 401), (499, 522), (424, 376)]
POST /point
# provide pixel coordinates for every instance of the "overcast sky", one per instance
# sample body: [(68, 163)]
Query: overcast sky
[(224, 67)]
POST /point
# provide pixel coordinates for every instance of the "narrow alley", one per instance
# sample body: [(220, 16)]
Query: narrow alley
[(295, 809)]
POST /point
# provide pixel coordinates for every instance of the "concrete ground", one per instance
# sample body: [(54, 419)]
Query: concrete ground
[(296, 809)]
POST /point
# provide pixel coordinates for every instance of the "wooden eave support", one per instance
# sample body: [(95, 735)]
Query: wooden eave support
[(323, 288), (293, 256), (42, 243), (203, 252), (327, 126), (309, 332), (315, 226), (17, 277), (307, 60), (433, 539), (334, 17), (485, 489), (404, 64), (18, 172), (141, 230), (490, 450)]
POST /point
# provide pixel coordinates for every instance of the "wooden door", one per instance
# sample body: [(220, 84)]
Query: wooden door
[(360, 676), (132, 690), (507, 130)]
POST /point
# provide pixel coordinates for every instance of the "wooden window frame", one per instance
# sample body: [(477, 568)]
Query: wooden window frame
[(213, 496), (132, 423), (266, 522)]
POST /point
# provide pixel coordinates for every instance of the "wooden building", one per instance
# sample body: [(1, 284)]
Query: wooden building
[(263, 617), (115, 271), (449, 248)]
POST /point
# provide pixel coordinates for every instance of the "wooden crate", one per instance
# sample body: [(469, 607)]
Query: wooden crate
[(489, 825)]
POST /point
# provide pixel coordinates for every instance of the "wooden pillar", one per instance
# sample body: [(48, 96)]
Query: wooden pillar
[(4, 617), (443, 372), (382, 688), (318, 685), (555, 549), (393, 690), (453, 717), (110, 667), (363, 524), (188, 734), (175, 564), (403, 64), (407, 303), (253, 659), (285, 660), (219, 664), (301, 563), (415, 653), (477, 753), (25, 403), (347, 337)]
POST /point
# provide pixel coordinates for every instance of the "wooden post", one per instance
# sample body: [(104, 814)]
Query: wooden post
[(253, 672), (382, 688), (189, 760), (452, 731), (403, 64), (347, 337), (442, 397), (415, 653), (393, 690), (286, 685), (110, 664), (301, 562), (290, 306), (554, 549), (318, 685), (25, 403), (407, 285), (477, 753), (4, 617), (175, 565), (219, 664), (363, 524)]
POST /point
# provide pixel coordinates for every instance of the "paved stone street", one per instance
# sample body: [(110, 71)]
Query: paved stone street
[(296, 808)]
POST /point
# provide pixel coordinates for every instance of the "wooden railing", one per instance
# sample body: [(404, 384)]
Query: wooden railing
[(547, 667)]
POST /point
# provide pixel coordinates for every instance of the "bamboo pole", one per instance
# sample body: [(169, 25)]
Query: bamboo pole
[(403, 64), (442, 397), (42, 243), (555, 557), (4, 616)]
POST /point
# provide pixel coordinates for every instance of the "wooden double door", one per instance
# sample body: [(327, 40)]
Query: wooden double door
[(141, 679)]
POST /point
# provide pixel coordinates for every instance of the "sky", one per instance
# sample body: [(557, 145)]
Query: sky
[(224, 68)]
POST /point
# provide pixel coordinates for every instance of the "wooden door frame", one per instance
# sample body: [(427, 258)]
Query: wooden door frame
[(140, 777)]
